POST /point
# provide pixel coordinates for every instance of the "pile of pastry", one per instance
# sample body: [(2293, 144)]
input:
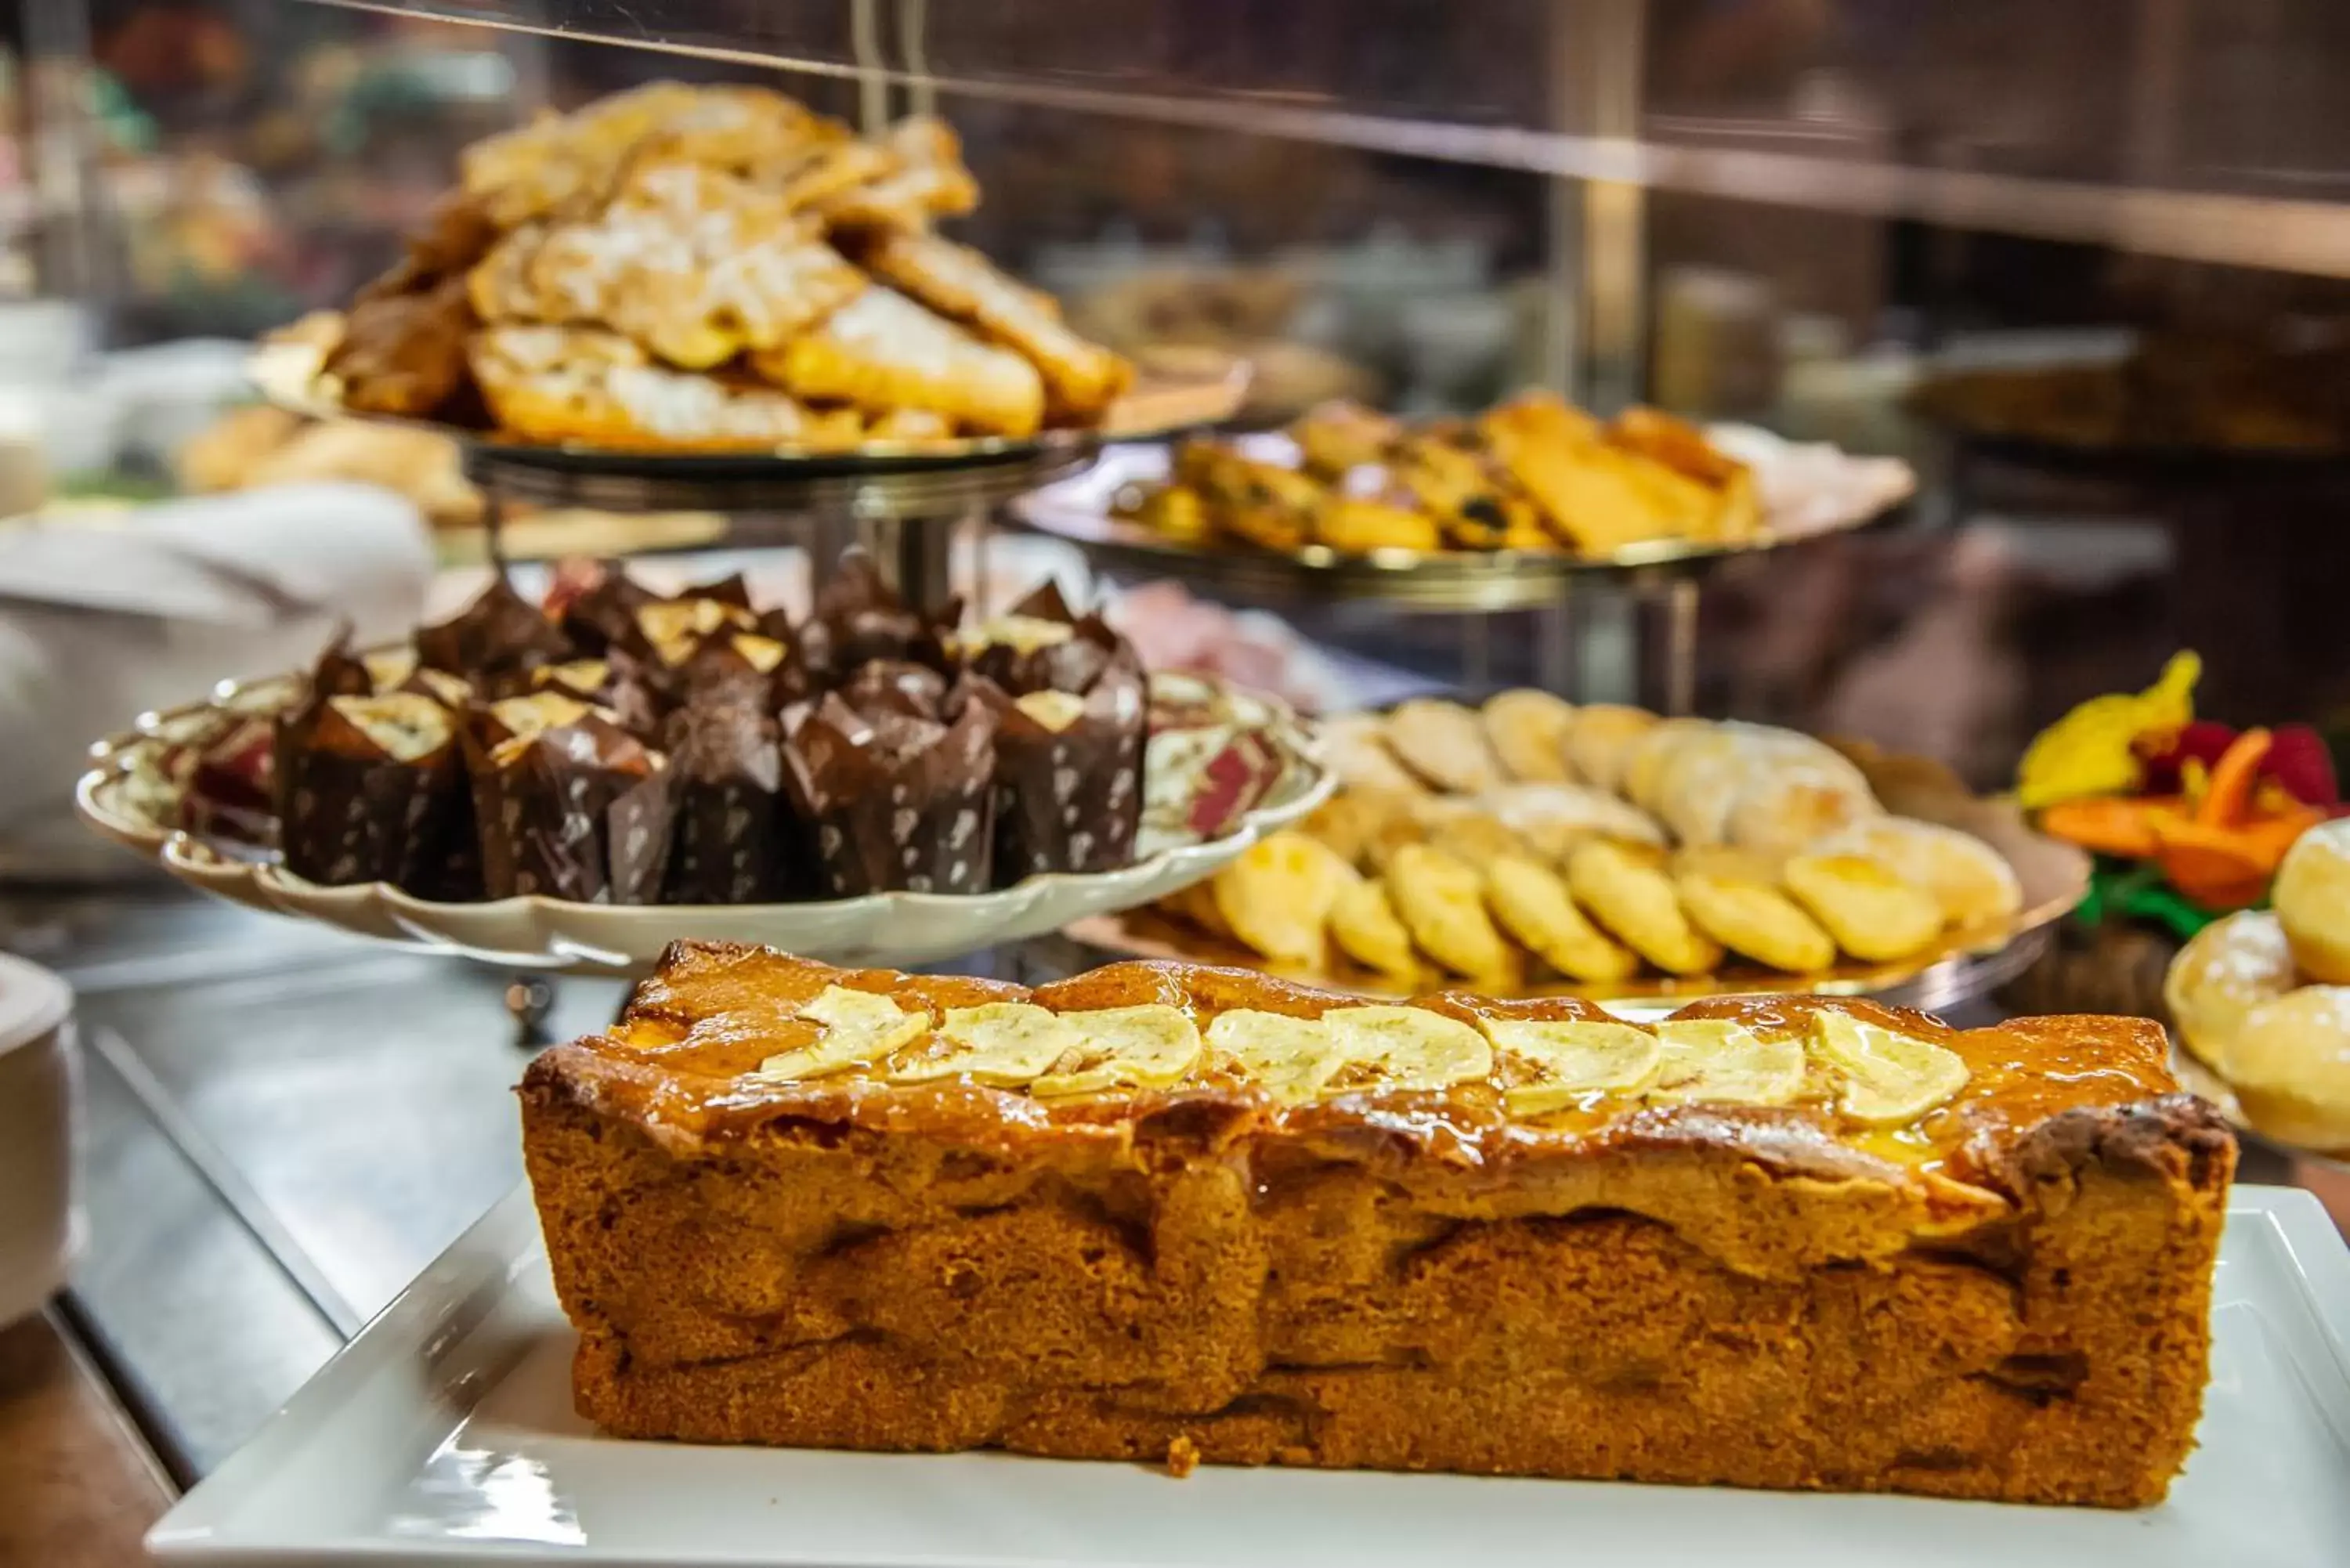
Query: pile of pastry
[(2262, 997), (1533, 473), (614, 745), (705, 268), (1531, 842), (255, 446)]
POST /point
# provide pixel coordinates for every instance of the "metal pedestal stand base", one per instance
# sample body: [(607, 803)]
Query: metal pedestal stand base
[(903, 510), (1627, 640)]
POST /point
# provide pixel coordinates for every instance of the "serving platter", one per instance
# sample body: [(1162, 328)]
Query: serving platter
[(129, 796), (1808, 492), (289, 370), (444, 1434), (1966, 963)]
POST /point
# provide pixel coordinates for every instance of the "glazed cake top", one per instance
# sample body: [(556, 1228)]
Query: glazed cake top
[(725, 1039)]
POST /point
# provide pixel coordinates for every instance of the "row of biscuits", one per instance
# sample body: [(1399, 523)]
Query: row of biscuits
[(2263, 998), (1531, 837), (1531, 473), (708, 267)]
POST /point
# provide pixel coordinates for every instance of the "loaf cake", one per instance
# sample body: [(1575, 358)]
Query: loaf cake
[(1173, 1212)]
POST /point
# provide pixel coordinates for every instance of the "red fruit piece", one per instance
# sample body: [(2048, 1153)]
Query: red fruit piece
[(2164, 754), (2299, 763)]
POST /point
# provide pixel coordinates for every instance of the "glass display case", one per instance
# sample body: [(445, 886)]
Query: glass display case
[(2084, 267)]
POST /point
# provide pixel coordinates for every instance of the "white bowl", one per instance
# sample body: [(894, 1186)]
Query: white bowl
[(41, 1118)]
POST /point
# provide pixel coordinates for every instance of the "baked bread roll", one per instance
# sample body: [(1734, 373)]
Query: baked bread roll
[(883, 352), (2290, 1066), (1757, 919), (1555, 817), (1364, 923), (1789, 808), (1695, 779), (1276, 897), (1599, 746), (1338, 435), (1699, 782), (1532, 905), (1971, 881), (1470, 498), (2313, 900), (556, 384), (1444, 743), (1360, 525), (1441, 902), (1627, 894), (1478, 840), (1356, 746), (1353, 821), (1646, 764), (2226, 970), (1872, 914), (1528, 731), (921, 175), (1081, 379), (1594, 498)]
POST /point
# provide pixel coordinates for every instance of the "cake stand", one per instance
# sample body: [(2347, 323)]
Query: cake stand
[(900, 500), (1667, 573), (902, 509), (135, 793)]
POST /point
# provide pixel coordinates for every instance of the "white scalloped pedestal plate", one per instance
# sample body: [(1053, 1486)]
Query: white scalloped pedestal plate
[(890, 930)]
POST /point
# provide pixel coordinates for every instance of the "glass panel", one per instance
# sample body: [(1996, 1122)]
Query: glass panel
[(253, 162), (2199, 129), (2124, 455)]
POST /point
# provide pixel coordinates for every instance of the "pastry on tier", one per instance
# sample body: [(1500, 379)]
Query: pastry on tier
[(2259, 998), (1534, 474), (1530, 839), (620, 746), (682, 268), (1171, 1211)]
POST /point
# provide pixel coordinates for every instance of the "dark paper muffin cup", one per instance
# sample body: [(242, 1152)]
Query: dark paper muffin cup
[(494, 642), (349, 811), (864, 620), (896, 803), (897, 686), (1068, 795), (582, 813), (736, 839), (605, 616), (1071, 664)]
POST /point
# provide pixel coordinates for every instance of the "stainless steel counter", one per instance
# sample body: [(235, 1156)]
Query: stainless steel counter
[(285, 1127)]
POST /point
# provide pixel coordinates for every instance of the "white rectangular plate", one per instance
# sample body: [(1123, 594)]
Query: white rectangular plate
[(444, 1434)]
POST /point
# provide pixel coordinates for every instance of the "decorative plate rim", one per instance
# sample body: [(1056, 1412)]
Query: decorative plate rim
[(289, 373), (1055, 510), (388, 913)]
